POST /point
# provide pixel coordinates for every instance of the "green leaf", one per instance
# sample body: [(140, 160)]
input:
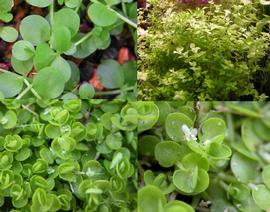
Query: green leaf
[(23, 50), (177, 205), (150, 198), (147, 145), (63, 66), (8, 34), (44, 55), (174, 123), (66, 18), (9, 120), (266, 175), (67, 170), (73, 3), (61, 39), (38, 3), (191, 181), (101, 15), (261, 196), (35, 29), (86, 91), (6, 5), (22, 67), (250, 139), (10, 84), (167, 153), (111, 74), (243, 168), (54, 80), (211, 128)]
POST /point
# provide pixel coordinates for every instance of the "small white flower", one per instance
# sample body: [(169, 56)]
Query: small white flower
[(190, 133), (89, 172)]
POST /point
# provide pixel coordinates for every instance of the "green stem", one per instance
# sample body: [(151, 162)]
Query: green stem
[(124, 7), (32, 89), (223, 185), (113, 92), (51, 12), (226, 178), (123, 18), (28, 109), (84, 38), (25, 91)]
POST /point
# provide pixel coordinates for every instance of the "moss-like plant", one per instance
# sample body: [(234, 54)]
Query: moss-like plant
[(210, 53)]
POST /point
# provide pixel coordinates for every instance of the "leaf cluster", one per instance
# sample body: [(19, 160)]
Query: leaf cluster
[(209, 53), (69, 155), (220, 158), (49, 44)]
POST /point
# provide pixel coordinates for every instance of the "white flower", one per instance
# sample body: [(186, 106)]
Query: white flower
[(190, 133)]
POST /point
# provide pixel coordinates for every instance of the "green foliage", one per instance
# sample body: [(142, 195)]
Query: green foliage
[(210, 53), (50, 43), (58, 156), (5, 8), (209, 151)]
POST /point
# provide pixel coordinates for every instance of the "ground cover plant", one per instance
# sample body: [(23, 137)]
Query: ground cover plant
[(205, 156), (203, 50), (70, 155), (64, 44)]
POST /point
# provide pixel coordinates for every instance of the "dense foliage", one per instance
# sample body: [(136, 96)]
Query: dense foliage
[(69, 155), (206, 156), (51, 48), (215, 52)]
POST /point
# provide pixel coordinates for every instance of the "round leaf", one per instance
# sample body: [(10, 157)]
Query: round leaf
[(111, 74), (261, 196), (8, 34), (150, 198), (211, 128), (49, 83), (22, 67), (10, 84), (23, 50), (67, 18), (101, 15), (61, 39), (63, 66), (167, 153), (243, 168), (86, 91), (174, 123), (38, 3), (35, 29)]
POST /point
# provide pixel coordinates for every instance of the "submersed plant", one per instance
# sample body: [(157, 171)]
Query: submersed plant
[(210, 156)]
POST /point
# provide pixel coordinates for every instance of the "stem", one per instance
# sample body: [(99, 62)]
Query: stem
[(33, 91), (84, 38), (123, 18), (113, 92), (124, 8), (28, 109), (24, 92), (51, 12), (227, 178)]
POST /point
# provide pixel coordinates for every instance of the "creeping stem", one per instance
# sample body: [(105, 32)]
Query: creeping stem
[(85, 37), (123, 18), (114, 92)]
